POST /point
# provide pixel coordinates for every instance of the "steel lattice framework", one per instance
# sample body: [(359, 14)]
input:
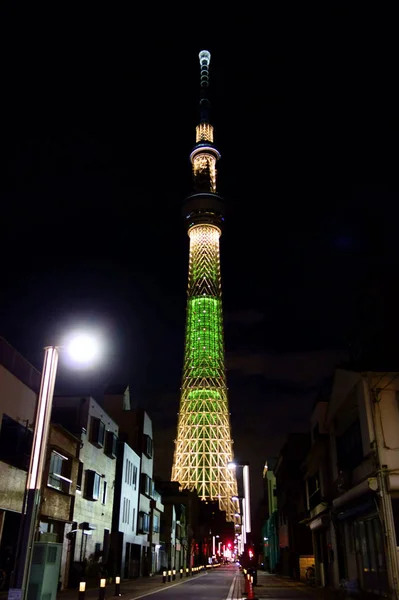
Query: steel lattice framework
[(203, 447)]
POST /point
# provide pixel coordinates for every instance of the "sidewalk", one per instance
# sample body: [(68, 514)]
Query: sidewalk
[(266, 583)]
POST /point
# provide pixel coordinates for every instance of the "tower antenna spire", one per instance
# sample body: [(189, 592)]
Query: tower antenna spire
[(204, 58)]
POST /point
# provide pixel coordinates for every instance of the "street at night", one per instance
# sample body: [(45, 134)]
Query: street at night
[(199, 302), (222, 583)]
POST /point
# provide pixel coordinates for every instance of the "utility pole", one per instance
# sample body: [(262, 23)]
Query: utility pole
[(385, 503)]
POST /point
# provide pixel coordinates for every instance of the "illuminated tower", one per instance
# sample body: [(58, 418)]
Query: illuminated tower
[(203, 446)]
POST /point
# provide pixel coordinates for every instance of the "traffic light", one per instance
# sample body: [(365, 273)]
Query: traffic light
[(250, 554), (229, 545)]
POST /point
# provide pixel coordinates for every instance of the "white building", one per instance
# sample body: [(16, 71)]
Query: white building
[(135, 428), (90, 538), (125, 543)]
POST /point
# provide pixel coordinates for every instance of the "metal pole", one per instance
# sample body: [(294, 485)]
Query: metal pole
[(34, 479), (386, 503)]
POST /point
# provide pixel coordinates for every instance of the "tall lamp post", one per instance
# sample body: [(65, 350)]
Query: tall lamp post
[(81, 348), (246, 517)]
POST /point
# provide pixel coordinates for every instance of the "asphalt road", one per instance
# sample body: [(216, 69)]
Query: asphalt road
[(216, 584)]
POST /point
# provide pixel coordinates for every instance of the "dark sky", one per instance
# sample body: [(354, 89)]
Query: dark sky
[(99, 118)]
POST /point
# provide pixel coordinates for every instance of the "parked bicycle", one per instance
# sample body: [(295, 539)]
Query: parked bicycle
[(310, 575)]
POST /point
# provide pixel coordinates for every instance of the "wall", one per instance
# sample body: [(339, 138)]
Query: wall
[(93, 458), (17, 401)]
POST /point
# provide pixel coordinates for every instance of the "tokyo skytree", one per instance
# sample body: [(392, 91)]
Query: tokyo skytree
[(203, 447)]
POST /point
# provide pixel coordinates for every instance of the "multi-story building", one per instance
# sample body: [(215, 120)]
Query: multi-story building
[(173, 528), (320, 493), (295, 541), (124, 537), (361, 424), (270, 539), (92, 516), (135, 428), (19, 385), (58, 491), (179, 525)]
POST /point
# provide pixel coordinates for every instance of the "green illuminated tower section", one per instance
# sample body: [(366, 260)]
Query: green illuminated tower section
[(203, 446)]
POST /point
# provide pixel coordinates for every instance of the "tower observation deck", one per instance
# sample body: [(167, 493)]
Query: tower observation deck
[(203, 446)]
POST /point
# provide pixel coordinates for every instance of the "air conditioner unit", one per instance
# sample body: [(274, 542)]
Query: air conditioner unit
[(45, 571)]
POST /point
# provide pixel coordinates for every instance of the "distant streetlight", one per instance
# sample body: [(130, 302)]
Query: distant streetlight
[(246, 500), (82, 348)]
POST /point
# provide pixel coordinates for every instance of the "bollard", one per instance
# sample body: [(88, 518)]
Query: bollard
[(181, 573), (101, 594), (164, 576), (117, 586), (82, 590), (173, 574), (250, 595), (187, 571), (246, 584), (169, 575)]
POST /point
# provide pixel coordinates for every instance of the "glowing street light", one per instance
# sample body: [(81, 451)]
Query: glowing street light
[(82, 348), (246, 501)]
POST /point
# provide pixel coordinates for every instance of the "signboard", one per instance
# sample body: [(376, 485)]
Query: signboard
[(14, 594)]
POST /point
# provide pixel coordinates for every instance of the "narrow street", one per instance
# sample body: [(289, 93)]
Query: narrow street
[(223, 583)]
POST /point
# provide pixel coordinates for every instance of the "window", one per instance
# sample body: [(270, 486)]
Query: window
[(155, 524), (135, 477), (314, 492), (147, 486), (144, 523), (59, 472), (110, 444), (349, 447), (97, 432), (147, 446), (15, 443), (79, 478), (126, 511), (133, 518), (92, 491), (104, 494)]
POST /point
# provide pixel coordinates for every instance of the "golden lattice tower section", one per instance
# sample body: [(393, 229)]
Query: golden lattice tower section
[(204, 447)]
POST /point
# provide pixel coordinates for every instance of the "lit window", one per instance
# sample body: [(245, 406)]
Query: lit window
[(58, 471), (92, 488)]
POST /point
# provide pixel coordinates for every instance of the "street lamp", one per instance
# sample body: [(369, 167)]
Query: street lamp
[(82, 348), (246, 500)]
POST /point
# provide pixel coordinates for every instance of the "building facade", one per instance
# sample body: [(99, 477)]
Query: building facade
[(270, 532), (356, 517), (124, 537), (295, 541), (203, 446), (19, 385), (135, 429), (59, 484), (92, 515)]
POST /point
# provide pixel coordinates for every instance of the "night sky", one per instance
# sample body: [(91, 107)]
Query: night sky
[(99, 119)]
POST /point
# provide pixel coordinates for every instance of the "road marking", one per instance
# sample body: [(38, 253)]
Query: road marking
[(232, 587), (162, 589)]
